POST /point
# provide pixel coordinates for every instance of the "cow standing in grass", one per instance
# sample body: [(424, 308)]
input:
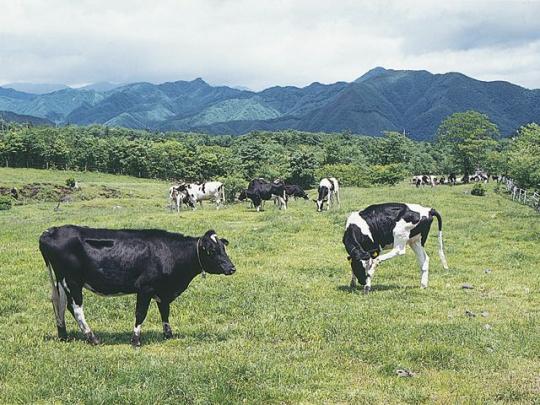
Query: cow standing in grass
[(328, 191), (210, 190), (178, 195), (152, 264), (260, 190), (389, 226)]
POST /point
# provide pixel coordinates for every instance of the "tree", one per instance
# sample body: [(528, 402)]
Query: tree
[(524, 157), (469, 136), (302, 169)]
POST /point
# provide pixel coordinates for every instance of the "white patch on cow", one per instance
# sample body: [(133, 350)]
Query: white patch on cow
[(361, 223), (214, 237), (79, 316), (423, 262), (64, 284), (423, 211), (137, 330)]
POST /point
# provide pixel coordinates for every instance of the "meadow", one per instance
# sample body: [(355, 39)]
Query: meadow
[(285, 328)]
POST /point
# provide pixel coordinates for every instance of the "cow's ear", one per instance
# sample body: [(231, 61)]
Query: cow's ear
[(225, 241)]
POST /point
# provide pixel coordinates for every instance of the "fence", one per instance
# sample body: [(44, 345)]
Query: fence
[(522, 196)]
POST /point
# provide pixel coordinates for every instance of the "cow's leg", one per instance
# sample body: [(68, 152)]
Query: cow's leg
[(164, 309), (59, 302), (353, 281), (141, 309), (370, 273), (75, 306), (423, 262)]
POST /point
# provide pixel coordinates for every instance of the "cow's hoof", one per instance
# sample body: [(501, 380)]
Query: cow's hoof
[(167, 332), (423, 286), (135, 341), (92, 339), (352, 286), (367, 289), (62, 333)]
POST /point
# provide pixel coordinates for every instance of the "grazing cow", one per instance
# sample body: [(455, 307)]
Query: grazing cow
[(452, 179), (293, 190), (384, 226), (149, 263), (328, 191), (423, 180), (260, 190), (210, 190), (178, 195)]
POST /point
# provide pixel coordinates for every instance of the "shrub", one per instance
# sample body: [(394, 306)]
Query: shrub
[(233, 186), (387, 174), (5, 202), (478, 190), (348, 175), (70, 182)]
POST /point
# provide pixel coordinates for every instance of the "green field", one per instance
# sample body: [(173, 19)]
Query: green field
[(285, 328)]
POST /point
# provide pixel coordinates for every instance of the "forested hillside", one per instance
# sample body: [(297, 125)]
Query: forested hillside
[(381, 100)]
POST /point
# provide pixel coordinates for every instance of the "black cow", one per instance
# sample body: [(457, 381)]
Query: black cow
[(260, 190), (293, 190), (150, 263), (384, 226)]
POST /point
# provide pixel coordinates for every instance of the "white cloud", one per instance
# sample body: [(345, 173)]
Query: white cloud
[(259, 44)]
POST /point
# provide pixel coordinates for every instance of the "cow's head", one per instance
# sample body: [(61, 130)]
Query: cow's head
[(360, 259), (323, 196), (213, 256), (243, 195)]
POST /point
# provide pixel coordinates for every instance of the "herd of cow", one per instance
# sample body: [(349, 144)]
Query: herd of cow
[(159, 265), (258, 191), (452, 179)]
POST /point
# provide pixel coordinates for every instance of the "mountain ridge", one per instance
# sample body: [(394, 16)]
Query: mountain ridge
[(414, 101)]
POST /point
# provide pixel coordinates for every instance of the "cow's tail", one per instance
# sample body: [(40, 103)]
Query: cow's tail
[(435, 214)]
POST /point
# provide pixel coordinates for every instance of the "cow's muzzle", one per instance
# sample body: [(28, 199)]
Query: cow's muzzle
[(229, 271)]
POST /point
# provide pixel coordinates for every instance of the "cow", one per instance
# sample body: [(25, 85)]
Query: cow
[(210, 190), (423, 180), (328, 191), (151, 263), (260, 190), (293, 190), (178, 195), (385, 226), (452, 179)]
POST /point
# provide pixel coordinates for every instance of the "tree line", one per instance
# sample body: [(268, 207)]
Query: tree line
[(464, 142)]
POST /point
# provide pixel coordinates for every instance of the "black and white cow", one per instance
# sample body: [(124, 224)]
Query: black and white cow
[(260, 190), (210, 190), (423, 180), (452, 179), (328, 191), (153, 264), (389, 226), (178, 195)]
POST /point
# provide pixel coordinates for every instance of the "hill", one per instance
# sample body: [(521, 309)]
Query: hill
[(9, 116), (380, 100)]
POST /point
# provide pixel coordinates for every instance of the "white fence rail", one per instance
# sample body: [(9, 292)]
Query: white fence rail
[(522, 196)]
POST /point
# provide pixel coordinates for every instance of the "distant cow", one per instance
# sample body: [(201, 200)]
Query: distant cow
[(210, 190), (328, 191), (423, 180), (178, 195), (452, 179), (260, 190), (293, 190), (385, 226), (152, 264)]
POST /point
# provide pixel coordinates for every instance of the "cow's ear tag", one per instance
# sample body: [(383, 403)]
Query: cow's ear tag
[(375, 254), (349, 258)]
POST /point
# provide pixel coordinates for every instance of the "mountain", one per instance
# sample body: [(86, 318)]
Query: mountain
[(380, 100), (9, 116), (100, 86), (35, 88)]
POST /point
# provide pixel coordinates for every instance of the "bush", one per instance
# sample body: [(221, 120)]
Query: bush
[(348, 175), (5, 202), (233, 186), (387, 174), (478, 190), (70, 182)]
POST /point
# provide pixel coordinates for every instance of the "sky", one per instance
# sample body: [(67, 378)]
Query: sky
[(259, 44)]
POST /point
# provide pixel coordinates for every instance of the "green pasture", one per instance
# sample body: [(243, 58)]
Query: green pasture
[(285, 328)]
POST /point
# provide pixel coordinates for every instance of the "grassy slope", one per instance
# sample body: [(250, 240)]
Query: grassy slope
[(285, 327)]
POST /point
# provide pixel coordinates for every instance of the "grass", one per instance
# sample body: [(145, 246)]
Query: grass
[(285, 328)]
